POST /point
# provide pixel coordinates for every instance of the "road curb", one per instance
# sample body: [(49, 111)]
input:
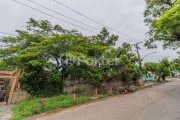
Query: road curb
[(155, 84)]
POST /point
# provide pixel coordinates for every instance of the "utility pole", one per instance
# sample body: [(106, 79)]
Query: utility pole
[(139, 61)]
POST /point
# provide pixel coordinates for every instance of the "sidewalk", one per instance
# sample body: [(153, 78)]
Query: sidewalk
[(170, 79), (5, 111), (150, 83)]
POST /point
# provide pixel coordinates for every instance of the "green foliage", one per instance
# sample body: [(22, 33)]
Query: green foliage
[(2, 64), (48, 54), (101, 96), (5, 66), (110, 94), (105, 39), (93, 74), (161, 69), (125, 69), (33, 106), (125, 75), (162, 16), (42, 83), (176, 64), (78, 91)]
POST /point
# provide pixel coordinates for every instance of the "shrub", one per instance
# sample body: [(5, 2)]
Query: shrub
[(110, 94), (101, 96), (42, 83), (78, 91)]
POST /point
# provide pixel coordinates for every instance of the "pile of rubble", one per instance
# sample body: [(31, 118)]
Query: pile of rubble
[(116, 89)]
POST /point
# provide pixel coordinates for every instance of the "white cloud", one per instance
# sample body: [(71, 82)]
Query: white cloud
[(124, 15)]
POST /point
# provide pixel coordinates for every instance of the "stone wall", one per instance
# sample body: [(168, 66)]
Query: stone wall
[(20, 95), (71, 85), (69, 89)]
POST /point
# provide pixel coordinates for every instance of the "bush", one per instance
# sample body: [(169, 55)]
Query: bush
[(101, 96), (78, 91), (42, 83), (33, 105), (110, 94)]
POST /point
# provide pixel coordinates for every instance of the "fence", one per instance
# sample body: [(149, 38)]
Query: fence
[(13, 76)]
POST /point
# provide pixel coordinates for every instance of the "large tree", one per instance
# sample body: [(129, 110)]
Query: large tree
[(125, 68), (41, 52), (162, 17), (161, 68), (48, 54)]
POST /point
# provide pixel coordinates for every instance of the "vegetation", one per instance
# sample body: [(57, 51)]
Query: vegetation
[(176, 65), (101, 96), (48, 54), (162, 17), (78, 91), (33, 105), (161, 69)]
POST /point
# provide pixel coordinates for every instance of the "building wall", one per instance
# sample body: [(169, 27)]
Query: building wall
[(148, 77), (71, 85)]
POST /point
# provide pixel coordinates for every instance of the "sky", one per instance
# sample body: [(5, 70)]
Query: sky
[(125, 16)]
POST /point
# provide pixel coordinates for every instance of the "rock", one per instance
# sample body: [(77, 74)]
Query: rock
[(68, 83), (132, 89), (82, 81), (20, 95), (103, 89)]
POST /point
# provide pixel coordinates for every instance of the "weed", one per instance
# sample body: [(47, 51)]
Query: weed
[(101, 96), (33, 105)]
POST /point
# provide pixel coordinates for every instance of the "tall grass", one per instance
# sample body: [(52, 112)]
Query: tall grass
[(33, 106)]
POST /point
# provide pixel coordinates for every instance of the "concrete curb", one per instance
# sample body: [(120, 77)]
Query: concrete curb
[(156, 84)]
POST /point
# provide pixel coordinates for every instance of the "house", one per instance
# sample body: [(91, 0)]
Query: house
[(149, 76)]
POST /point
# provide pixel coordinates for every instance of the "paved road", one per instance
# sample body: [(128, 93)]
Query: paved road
[(160, 102)]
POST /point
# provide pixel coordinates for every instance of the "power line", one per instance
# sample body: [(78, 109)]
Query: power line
[(70, 18), (63, 15), (125, 39), (93, 20), (54, 16), (61, 19), (7, 34)]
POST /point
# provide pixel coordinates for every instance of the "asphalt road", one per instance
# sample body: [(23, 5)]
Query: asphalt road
[(160, 102)]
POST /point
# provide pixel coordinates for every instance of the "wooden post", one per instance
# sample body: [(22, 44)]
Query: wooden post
[(96, 91), (74, 96), (6, 72), (13, 81), (17, 75), (12, 90), (43, 102), (110, 89)]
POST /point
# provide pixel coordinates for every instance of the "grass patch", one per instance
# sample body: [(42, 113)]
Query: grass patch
[(33, 106), (110, 94), (78, 91), (101, 96)]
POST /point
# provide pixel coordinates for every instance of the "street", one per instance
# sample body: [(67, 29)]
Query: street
[(160, 102)]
